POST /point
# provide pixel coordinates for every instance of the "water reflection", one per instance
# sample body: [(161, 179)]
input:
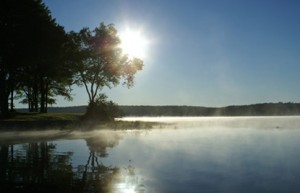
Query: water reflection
[(195, 157), (41, 167), (128, 182), (33, 167)]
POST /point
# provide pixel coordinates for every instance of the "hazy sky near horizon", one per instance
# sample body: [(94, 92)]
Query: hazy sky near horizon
[(201, 52)]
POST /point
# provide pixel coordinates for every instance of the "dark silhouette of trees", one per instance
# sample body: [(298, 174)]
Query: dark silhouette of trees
[(100, 62), (34, 62), (263, 109), (39, 60)]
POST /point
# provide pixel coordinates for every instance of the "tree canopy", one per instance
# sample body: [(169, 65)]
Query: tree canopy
[(33, 62), (39, 60), (100, 62)]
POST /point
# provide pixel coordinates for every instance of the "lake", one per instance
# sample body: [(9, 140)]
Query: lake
[(182, 154)]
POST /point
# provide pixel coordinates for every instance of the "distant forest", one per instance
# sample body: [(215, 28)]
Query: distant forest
[(264, 109)]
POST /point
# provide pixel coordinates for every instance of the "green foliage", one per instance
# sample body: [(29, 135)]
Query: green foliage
[(34, 55), (39, 60), (100, 62), (102, 110)]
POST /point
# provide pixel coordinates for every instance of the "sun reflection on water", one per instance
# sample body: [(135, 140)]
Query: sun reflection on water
[(129, 182)]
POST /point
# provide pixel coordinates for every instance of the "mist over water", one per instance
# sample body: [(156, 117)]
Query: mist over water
[(223, 154), (192, 154), (262, 122)]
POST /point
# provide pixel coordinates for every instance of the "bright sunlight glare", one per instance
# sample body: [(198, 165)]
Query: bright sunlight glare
[(133, 43)]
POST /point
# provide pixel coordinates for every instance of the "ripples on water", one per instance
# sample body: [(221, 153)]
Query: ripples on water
[(246, 154)]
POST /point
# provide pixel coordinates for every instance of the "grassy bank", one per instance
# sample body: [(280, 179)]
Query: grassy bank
[(44, 117), (65, 121)]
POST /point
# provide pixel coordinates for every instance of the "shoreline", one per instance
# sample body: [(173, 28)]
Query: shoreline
[(72, 125), (22, 125)]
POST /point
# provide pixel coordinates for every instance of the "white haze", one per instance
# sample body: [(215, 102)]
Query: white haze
[(223, 154), (262, 122), (266, 122)]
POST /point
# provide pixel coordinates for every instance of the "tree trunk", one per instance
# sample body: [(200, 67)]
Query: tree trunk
[(42, 90), (4, 102), (30, 99), (29, 105), (11, 99), (4, 94), (46, 100), (35, 95)]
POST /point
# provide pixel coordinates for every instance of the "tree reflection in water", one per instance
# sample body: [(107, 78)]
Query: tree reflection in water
[(34, 167), (39, 167), (96, 177)]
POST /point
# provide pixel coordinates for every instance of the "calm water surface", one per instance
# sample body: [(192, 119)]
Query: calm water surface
[(249, 154)]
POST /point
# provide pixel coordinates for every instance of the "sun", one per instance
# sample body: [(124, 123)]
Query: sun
[(133, 43)]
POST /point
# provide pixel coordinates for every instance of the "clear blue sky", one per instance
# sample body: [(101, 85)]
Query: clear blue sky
[(202, 52)]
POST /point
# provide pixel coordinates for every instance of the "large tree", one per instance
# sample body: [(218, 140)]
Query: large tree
[(11, 21), (100, 62), (33, 58)]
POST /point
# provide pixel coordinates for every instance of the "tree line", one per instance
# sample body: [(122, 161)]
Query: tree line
[(262, 109), (39, 60)]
